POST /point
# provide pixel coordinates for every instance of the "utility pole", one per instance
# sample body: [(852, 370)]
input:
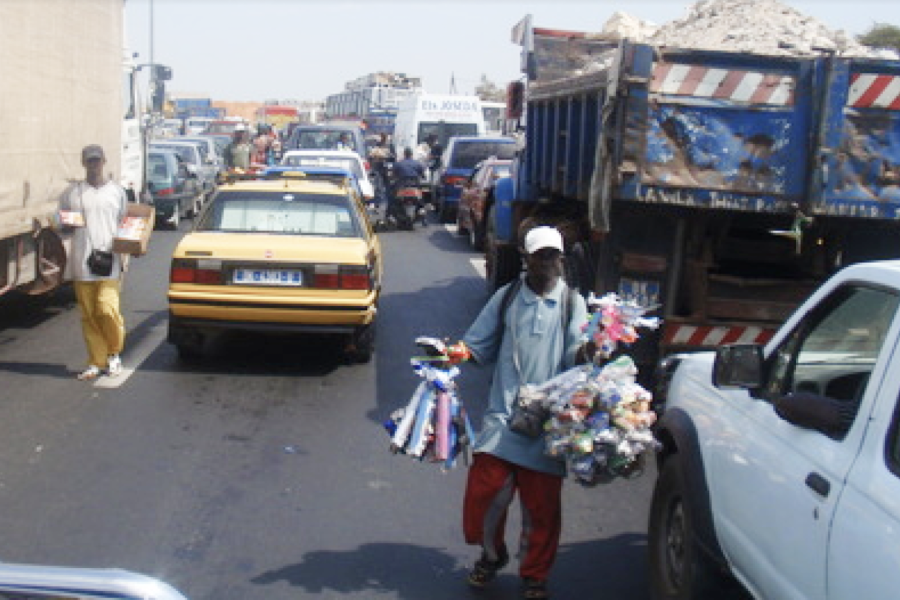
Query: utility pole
[(151, 32)]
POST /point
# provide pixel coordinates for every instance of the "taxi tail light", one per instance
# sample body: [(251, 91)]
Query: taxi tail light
[(187, 270), (342, 277), (164, 191), (367, 166), (453, 180)]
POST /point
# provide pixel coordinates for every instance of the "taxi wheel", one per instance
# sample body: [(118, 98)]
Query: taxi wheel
[(362, 344), (189, 352)]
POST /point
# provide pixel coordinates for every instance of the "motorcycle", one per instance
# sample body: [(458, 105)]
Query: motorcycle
[(409, 196), (406, 206)]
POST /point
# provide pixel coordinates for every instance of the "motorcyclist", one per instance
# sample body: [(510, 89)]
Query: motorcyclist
[(379, 157), (407, 173)]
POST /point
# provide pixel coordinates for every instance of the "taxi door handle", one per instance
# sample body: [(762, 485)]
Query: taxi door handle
[(818, 484)]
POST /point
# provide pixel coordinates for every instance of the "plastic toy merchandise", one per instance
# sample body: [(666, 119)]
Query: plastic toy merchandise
[(600, 421), (434, 425), (614, 321), (600, 416)]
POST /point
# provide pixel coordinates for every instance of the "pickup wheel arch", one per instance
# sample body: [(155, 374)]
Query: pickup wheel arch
[(681, 442)]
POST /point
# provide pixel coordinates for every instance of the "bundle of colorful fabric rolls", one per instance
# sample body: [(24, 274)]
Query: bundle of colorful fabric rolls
[(434, 425)]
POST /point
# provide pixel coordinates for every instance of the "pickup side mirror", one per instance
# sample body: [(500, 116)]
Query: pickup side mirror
[(738, 366)]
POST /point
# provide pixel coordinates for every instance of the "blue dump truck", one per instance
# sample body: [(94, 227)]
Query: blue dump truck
[(721, 187)]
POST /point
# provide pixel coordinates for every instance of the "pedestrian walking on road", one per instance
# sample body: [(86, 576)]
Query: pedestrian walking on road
[(529, 337), (238, 152), (93, 210)]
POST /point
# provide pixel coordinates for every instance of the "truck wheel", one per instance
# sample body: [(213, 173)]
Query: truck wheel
[(476, 236), (460, 228), (679, 568), (502, 261)]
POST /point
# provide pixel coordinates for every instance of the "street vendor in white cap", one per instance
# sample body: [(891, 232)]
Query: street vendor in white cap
[(530, 330)]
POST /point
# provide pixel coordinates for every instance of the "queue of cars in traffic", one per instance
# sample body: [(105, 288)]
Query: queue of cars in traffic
[(292, 248)]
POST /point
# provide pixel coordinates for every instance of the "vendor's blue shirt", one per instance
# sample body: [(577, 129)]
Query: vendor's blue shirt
[(543, 352)]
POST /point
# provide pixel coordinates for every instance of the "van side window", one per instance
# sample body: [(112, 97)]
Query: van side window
[(833, 350)]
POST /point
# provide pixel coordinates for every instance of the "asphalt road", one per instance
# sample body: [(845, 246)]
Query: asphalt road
[(263, 471)]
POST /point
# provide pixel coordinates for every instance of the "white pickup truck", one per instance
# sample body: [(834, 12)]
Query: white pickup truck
[(780, 472)]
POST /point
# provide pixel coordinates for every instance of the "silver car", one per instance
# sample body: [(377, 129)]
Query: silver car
[(194, 154)]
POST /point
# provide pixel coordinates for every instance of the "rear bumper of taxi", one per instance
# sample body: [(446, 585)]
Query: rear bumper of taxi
[(271, 310)]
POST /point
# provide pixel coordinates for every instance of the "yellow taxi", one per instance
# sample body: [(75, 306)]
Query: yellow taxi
[(291, 252)]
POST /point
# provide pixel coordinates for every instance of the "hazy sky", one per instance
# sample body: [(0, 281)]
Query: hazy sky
[(308, 49)]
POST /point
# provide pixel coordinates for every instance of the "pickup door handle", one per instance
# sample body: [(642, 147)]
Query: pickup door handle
[(818, 484)]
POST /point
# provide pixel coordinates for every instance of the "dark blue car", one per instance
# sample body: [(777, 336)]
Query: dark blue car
[(457, 164)]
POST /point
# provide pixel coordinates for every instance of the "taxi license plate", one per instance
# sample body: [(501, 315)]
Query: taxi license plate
[(281, 277)]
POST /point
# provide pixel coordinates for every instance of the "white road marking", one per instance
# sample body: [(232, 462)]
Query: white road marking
[(133, 357), (479, 266)]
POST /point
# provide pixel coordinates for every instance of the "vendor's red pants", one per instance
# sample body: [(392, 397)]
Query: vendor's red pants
[(489, 492)]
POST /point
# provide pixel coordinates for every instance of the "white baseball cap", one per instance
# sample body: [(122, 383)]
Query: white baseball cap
[(543, 237)]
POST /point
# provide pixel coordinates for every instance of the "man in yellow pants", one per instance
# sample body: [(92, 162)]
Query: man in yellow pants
[(94, 208)]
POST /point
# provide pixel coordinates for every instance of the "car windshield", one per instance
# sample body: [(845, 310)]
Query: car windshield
[(319, 160), (468, 154), (187, 153), (324, 139), (325, 215), (157, 168), (221, 141), (207, 143), (221, 128)]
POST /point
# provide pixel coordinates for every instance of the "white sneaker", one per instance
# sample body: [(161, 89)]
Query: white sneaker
[(114, 365)]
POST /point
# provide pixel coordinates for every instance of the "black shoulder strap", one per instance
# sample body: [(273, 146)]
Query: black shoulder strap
[(508, 296), (566, 315)]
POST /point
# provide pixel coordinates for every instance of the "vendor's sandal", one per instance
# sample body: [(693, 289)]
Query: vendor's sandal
[(535, 589), (90, 374), (484, 570)]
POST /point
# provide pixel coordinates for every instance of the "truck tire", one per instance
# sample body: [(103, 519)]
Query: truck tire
[(679, 567), (502, 261), (476, 236)]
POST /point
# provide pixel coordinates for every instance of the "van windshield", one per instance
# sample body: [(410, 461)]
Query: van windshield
[(444, 131)]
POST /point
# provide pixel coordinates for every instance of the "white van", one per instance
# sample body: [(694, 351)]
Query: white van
[(444, 116)]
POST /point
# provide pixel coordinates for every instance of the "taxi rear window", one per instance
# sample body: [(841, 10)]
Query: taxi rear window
[(282, 212)]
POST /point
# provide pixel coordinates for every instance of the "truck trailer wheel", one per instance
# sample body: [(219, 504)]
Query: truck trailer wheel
[(502, 261), (679, 568)]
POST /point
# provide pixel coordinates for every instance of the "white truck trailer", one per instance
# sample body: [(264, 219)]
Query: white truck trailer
[(67, 81)]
